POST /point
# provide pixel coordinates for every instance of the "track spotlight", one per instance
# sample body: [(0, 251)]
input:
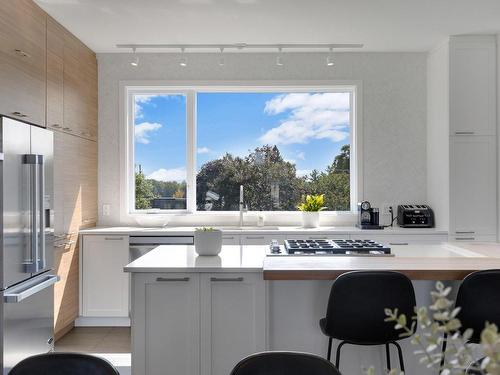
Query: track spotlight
[(279, 58), (183, 62), (222, 60), (135, 61), (329, 59)]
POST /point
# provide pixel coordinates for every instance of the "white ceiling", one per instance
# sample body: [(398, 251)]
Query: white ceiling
[(382, 25)]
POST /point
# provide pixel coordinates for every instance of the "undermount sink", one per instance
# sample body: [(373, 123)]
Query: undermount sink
[(243, 228)]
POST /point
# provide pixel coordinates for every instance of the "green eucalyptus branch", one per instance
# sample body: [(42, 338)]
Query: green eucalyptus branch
[(436, 322)]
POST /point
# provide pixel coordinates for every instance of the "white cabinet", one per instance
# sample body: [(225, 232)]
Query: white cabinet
[(105, 287), (473, 184), (166, 324), (230, 239), (473, 85), (316, 236), (260, 239), (196, 323), (233, 320), (402, 239)]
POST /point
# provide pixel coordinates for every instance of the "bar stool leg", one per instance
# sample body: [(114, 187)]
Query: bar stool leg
[(337, 357), (329, 354), (388, 356), (400, 355), (443, 349)]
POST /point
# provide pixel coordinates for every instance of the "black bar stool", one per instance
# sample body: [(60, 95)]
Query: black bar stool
[(64, 364), (284, 363), (479, 300), (355, 313)]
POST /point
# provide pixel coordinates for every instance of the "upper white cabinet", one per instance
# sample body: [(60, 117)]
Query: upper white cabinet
[(233, 319), (473, 198), (473, 85), (105, 287)]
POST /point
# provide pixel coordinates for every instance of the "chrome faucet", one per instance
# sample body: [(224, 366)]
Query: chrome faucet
[(243, 207)]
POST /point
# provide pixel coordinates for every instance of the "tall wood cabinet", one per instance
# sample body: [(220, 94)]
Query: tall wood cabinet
[(71, 112)]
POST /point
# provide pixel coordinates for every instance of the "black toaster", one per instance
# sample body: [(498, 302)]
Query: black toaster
[(415, 216)]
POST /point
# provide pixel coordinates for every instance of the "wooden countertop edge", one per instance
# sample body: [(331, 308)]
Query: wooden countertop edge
[(333, 274)]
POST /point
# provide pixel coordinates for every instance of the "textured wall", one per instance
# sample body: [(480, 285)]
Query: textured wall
[(394, 110)]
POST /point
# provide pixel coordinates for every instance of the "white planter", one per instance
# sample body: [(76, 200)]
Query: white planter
[(310, 219), (208, 243)]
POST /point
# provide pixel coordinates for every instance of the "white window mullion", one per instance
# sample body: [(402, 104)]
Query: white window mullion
[(191, 151)]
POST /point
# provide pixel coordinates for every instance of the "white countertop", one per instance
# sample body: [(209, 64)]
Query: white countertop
[(182, 258), (189, 231), (251, 258)]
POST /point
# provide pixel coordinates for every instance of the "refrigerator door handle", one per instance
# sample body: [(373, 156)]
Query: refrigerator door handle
[(32, 160), (41, 203), (24, 290)]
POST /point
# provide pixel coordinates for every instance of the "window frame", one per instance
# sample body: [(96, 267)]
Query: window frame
[(190, 90)]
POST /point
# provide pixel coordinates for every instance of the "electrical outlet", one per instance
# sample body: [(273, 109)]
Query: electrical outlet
[(386, 209), (106, 209)]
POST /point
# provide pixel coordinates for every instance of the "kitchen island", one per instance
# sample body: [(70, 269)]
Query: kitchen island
[(199, 315)]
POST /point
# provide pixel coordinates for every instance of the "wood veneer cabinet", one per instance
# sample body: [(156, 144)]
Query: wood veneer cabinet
[(23, 61), (75, 197), (49, 78)]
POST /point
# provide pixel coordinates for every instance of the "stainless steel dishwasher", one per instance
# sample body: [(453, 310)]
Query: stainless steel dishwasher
[(140, 245)]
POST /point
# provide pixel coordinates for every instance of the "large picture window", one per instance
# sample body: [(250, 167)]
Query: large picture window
[(192, 149)]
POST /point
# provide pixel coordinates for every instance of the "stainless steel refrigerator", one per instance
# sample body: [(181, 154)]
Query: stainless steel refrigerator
[(26, 242)]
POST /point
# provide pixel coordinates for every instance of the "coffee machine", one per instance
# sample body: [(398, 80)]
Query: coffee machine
[(368, 216)]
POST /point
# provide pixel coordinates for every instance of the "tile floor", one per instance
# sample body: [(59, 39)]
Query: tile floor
[(112, 343)]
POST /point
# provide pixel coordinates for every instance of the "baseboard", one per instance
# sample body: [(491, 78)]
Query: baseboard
[(87, 321)]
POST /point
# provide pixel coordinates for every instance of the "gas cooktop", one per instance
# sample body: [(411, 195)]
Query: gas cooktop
[(330, 247)]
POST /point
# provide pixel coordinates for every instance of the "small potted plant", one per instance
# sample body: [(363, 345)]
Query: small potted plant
[(207, 241), (311, 206)]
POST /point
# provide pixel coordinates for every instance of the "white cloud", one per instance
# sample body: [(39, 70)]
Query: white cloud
[(301, 155), (204, 150), (312, 116), (138, 100), (142, 131), (174, 174)]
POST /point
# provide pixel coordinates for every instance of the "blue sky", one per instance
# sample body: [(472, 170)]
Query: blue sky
[(308, 129)]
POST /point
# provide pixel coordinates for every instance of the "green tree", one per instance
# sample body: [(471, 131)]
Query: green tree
[(144, 192), (270, 182), (342, 161)]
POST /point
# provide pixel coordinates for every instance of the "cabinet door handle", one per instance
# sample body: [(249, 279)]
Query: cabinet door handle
[(67, 129), (227, 279), (398, 243), (19, 114), (228, 238), (113, 238), (254, 237), (465, 232), (21, 53), (163, 279), (464, 133), (57, 126), (465, 238)]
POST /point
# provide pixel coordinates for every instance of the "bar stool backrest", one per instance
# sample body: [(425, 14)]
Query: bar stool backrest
[(479, 300), (63, 364), (284, 363), (357, 302)]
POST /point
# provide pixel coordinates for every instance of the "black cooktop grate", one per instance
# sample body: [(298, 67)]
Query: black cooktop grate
[(335, 247)]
